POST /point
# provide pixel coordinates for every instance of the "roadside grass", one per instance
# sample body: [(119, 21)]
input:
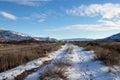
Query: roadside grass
[(70, 50), (54, 73), (107, 52), (28, 72), (47, 62), (24, 74), (10, 58), (62, 63), (56, 70)]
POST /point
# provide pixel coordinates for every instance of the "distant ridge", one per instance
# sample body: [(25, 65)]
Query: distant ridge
[(115, 37), (45, 39), (78, 39), (6, 35)]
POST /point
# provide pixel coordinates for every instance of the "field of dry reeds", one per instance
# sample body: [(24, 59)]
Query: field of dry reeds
[(14, 54)]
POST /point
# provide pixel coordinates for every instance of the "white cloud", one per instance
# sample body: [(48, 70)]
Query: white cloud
[(28, 2), (104, 26), (106, 11), (8, 15), (41, 20), (36, 17), (109, 14)]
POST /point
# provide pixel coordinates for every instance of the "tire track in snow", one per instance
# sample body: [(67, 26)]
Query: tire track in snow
[(85, 68), (36, 75)]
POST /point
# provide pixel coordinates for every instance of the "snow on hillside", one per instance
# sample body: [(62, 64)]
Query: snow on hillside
[(6, 35), (45, 39), (78, 39), (83, 67), (115, 37)]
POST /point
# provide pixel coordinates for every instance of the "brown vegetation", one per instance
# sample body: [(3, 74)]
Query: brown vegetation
[(70, 50), (13, 56), (62, 63), (56, 70), (108, 52), (24, 74), (55, 73)]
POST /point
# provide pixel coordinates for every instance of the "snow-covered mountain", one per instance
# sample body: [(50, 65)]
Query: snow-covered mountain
[(78, 39), (115, 37), (6, 35), (45, 39)]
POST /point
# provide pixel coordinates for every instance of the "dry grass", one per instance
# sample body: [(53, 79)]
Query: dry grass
[(62, 63), (24, 74), (70, 50), (53, 73), (10, 58), (47, 62), (108, 52), (56, 70)]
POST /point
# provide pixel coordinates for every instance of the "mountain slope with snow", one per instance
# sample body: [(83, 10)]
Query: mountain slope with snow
[(115, 37), (6, 35), (78, 39), (45, 39)]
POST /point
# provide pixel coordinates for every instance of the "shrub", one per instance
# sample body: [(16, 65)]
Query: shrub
[(62, 63), (70, 50), (52, 73)]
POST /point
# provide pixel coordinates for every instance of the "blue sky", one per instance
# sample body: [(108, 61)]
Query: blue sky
[(61, 18)]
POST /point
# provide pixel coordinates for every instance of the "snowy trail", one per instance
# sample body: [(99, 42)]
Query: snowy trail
[(85, 68), (10, 74), (36, 75)]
